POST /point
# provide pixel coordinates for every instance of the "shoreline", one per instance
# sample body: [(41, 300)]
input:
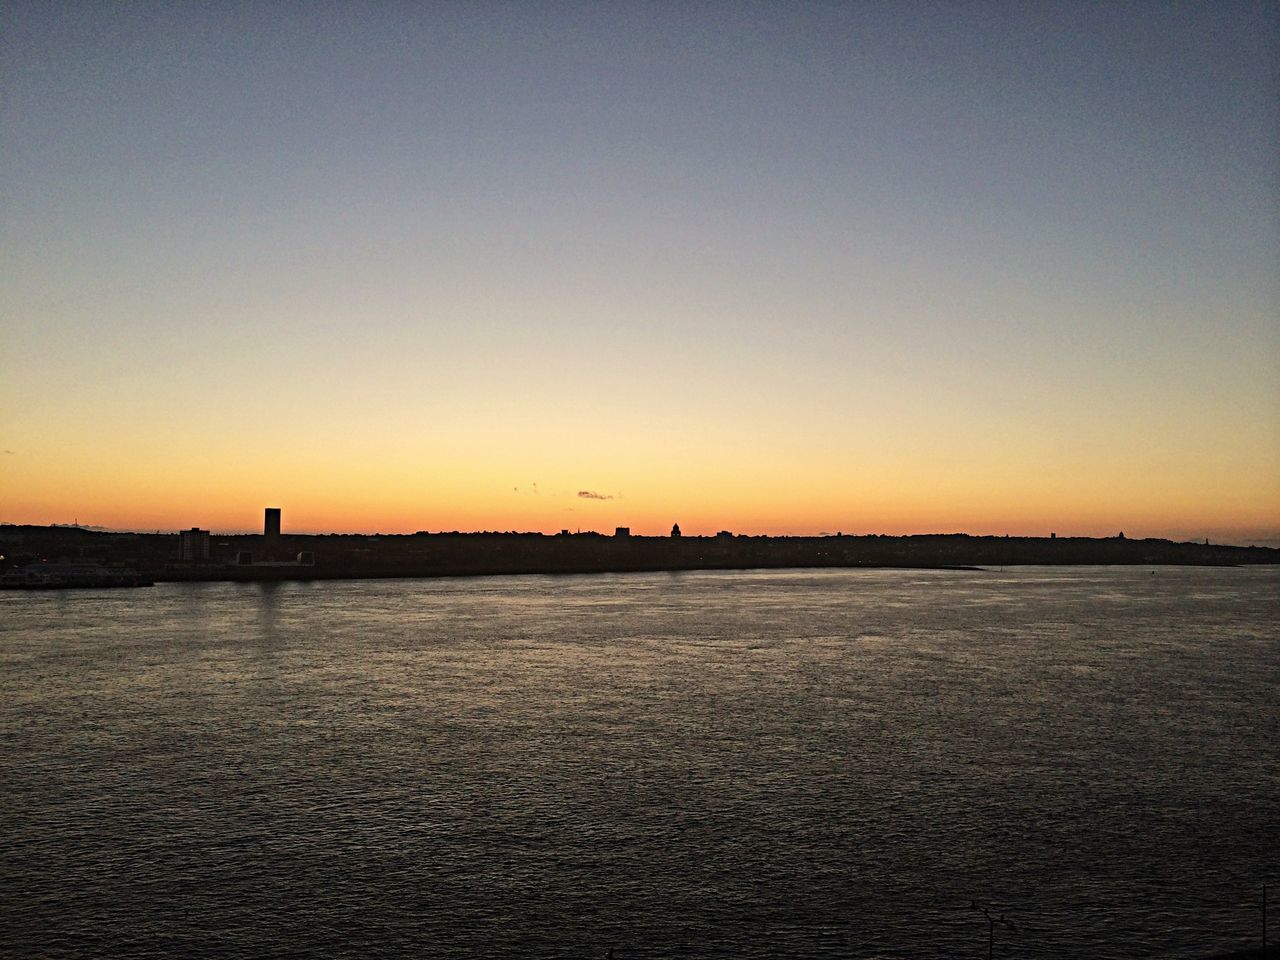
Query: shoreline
[(200, 555), (278, 575), (282, 576)]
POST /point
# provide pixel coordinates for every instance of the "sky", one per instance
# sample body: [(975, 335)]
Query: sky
[(766, 267)]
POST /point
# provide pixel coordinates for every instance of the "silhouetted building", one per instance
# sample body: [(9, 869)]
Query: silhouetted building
[(724, 535), (622, 532), (193, 544), (271, 531), (675, 529)]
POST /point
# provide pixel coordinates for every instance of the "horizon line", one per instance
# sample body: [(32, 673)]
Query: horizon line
[(1265, 542)]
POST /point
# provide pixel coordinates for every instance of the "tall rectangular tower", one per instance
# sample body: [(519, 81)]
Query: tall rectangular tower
[(271, 526)]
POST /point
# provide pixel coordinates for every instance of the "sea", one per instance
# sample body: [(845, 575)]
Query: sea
[(1043, 762)]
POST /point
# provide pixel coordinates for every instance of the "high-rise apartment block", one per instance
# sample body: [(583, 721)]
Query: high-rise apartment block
[(193, 544)]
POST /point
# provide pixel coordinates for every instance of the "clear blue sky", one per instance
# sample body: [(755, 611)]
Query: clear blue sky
[(773, 266)]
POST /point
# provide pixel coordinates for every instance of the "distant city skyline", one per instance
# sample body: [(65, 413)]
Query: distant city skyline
[(875, 267), (1262, 538)]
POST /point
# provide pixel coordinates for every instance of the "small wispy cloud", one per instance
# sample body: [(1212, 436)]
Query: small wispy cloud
[(10, 453), (592, 495)]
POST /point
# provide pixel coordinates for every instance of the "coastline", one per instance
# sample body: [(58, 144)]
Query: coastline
[(198, 555), (232, 575)]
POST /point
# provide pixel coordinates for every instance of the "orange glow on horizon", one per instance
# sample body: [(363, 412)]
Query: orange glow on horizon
[(308, 512), (750, 470)]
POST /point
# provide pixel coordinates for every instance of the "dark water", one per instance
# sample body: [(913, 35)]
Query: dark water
[(772, 764)]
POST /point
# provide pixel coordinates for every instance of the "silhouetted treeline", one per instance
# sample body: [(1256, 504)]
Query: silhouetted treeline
[(455, 554)]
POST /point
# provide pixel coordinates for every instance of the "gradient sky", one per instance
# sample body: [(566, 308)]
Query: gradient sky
[(781, 267)]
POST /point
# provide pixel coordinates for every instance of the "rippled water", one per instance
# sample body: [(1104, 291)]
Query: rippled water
[(744, 764)]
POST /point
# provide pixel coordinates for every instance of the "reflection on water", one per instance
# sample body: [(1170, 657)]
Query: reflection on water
[(748, 764)]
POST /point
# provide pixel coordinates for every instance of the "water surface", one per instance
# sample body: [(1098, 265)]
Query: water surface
[(713, 764)]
